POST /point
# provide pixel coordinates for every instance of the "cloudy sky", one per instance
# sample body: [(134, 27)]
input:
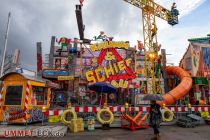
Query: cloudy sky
[(37, 20)]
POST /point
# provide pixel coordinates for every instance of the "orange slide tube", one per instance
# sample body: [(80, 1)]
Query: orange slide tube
[(181, 90)]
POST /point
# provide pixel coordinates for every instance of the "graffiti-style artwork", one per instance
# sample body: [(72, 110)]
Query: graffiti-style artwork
[(206, 57), (14, 109), (188, 64), (82, 90), (200, 59), (196, 55), (14, 113), (196, 58), (17, 115), (35, 115)]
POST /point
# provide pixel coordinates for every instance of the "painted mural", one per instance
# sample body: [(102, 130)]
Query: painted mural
[(196, 52), (206, 60), (196, 60), (206, 57)]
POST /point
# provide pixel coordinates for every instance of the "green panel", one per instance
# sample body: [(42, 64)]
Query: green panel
[(200, 81), (196, 39)]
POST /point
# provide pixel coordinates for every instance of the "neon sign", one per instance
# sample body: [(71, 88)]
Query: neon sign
[(117, 70)]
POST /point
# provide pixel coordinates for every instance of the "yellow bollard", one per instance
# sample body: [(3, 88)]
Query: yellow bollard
[(69, 105), (44, 109), (189, 106), (126, 105), (164, 105), (105, 105)]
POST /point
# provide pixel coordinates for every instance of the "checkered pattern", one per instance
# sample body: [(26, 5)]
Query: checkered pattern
[(94, 109)]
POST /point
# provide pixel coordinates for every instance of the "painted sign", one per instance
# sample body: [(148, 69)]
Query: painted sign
[(116, 69), (65, 78), (52, 84), (200, 80), (53, 73), (58, 52), (109, 44)]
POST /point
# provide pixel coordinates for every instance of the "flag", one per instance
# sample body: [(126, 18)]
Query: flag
[(81, 2), (140, 45)]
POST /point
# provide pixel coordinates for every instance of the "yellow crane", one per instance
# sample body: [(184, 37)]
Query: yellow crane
[(151, 10)]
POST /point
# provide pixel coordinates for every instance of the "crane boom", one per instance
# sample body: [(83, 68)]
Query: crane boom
[(154, 8), (150, 10)]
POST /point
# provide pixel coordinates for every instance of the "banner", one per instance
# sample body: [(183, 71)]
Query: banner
[(112, 67)]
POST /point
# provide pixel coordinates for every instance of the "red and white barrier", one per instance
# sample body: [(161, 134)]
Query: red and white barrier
[(1, 94), (95, 109), (27, 96)]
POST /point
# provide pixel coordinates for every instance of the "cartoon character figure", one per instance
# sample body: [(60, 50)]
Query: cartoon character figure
[(154, 30), (103, 37), (64, 42), (140, 45), (58, 63), (196, 55)]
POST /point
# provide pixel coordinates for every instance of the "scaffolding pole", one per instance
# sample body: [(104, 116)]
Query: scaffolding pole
[(5, 45)]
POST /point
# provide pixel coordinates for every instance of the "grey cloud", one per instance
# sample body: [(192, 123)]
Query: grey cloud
[(37, 20), (116, 17)]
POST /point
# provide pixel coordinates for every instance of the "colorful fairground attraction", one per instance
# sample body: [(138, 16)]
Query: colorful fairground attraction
[(104, 82)]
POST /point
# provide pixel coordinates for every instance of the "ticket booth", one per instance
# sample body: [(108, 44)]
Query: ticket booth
[(23, 98)]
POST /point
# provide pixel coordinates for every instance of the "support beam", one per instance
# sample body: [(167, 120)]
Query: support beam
[(78, 12)]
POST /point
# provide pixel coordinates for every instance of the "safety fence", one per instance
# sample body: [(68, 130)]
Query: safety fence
[(119, 109)]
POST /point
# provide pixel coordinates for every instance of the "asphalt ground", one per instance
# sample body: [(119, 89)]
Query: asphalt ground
[(167, 133)]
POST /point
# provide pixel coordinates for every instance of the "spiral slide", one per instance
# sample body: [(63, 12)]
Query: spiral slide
[(181, 90)]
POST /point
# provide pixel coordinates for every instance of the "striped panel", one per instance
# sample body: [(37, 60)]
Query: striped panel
[(26, 99), (95, 109), (1, 95)]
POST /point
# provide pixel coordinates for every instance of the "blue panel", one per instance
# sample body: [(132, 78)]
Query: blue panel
[(55, 72), (173, 21), (73, 50)]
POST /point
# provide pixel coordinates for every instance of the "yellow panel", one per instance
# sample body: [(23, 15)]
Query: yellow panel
[(14, 77), (65, 78), (39, 84)]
